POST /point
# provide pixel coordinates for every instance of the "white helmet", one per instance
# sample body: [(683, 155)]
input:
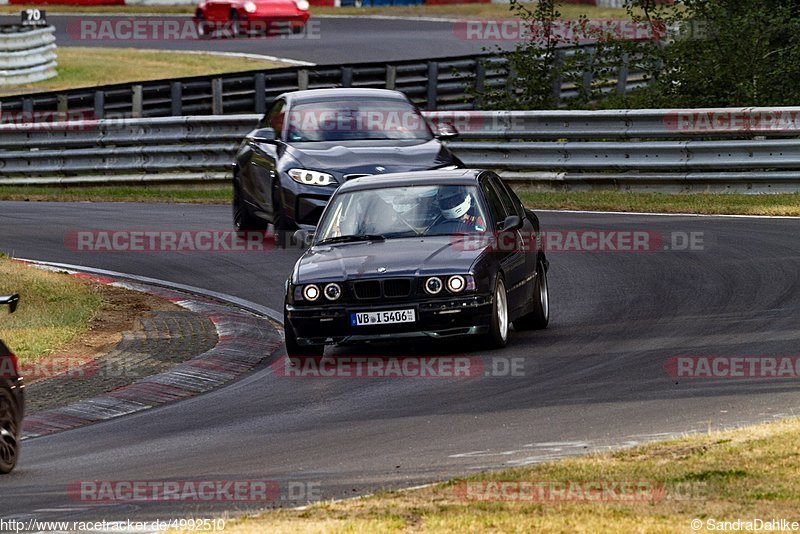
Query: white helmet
[(454, 201)]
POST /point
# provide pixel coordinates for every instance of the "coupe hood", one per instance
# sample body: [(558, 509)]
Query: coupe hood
[(363, 157), (399, 257)]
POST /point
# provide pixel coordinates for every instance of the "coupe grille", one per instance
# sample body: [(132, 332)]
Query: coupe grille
[(351, 176)]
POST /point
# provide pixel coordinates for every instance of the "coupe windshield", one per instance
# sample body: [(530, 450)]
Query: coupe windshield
[(353, 120), (377, 214)]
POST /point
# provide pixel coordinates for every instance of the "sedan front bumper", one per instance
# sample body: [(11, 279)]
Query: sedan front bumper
[(331, 324)]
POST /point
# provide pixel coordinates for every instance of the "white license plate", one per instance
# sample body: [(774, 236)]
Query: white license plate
[(382, 317)]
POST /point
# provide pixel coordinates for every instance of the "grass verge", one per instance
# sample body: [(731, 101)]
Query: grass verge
[(701, 203), (54, 309), (568, 11), (750, 473), (88, 67), (196, 194)]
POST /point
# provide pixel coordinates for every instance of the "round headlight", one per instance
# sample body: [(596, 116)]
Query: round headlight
[(333, 291), (456, 284), (250, 7), (311, 292), (433, 285)]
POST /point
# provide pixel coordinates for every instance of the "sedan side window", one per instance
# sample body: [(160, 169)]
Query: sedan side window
[(495, 205)]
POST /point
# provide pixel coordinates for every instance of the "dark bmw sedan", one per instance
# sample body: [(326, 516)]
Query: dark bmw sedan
[(427, 254), (311, 142), (12, 400)]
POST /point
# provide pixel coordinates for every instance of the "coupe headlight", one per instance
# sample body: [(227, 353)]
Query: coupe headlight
[(301, 4), (311, 292), (433, 285), (306, 177), (333, 291), (250, 7)]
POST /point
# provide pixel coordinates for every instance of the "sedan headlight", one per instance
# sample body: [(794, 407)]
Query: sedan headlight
[(306, 177), (250, 7), (301, 4), (433, 285), (311, 292), (333, 291)]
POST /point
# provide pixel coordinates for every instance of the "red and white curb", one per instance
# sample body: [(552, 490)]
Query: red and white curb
[(245, 339)]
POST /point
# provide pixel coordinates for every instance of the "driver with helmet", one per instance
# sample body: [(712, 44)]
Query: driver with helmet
[(457, 211)]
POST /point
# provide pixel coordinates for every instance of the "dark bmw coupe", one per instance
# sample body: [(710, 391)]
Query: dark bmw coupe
[(311, 142), (12, 400), (436, 254)]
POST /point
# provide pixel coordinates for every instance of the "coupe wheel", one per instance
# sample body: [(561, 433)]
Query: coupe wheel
[(9, 433), (282, 228), (204, 29), (539, 317), (498, 325), (293, 349), (243, 221), (236, 24)]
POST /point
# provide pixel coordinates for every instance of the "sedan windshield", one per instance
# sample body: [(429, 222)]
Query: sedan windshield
[(378, 214), (348, 120)]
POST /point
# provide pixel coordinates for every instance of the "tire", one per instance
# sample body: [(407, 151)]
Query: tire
[(281, 225), (293, 350), (297, 30), (243, 220), (204, 29), (539, 317), (497, 336), (236, 25), (9, 432)]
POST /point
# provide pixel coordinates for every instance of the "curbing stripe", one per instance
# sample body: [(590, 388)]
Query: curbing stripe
[(244, 341)]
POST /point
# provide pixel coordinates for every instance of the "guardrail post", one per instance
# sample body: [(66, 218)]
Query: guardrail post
[(260, 89), (136, 101), (391, 77), (480, 79), (27, 105), (302, 79), (216, 96), (62, 104), (588, 75), (176, 98), (555, 87), (347, 76), (99, 105), (622, 75), (433, 81)]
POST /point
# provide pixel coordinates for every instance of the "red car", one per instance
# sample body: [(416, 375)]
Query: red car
[(244, 16)]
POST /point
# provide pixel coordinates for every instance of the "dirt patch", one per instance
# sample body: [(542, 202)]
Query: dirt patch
[(121, 312)]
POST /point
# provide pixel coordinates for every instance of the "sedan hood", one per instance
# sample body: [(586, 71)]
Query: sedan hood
[(362, 157), (399, 257)]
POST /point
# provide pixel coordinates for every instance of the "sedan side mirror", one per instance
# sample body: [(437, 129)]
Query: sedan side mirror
[(446, 132), (303, 238), (263, 135), (511, 223), (12, 301)]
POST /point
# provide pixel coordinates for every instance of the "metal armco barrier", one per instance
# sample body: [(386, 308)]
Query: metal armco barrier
[(26, 54), (443, 83), (749, 149)]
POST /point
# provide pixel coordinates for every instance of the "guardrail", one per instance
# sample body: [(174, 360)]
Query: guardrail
[(443, 83), (749, 149), (26, 54)]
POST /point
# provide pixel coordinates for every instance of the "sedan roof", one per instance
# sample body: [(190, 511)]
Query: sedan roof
[(320, 95), (405, 179)]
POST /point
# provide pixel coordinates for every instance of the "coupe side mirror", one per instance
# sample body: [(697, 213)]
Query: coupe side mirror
[(263, 135), (303, 238), (12, 301), (511, 223), (446, 132)]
